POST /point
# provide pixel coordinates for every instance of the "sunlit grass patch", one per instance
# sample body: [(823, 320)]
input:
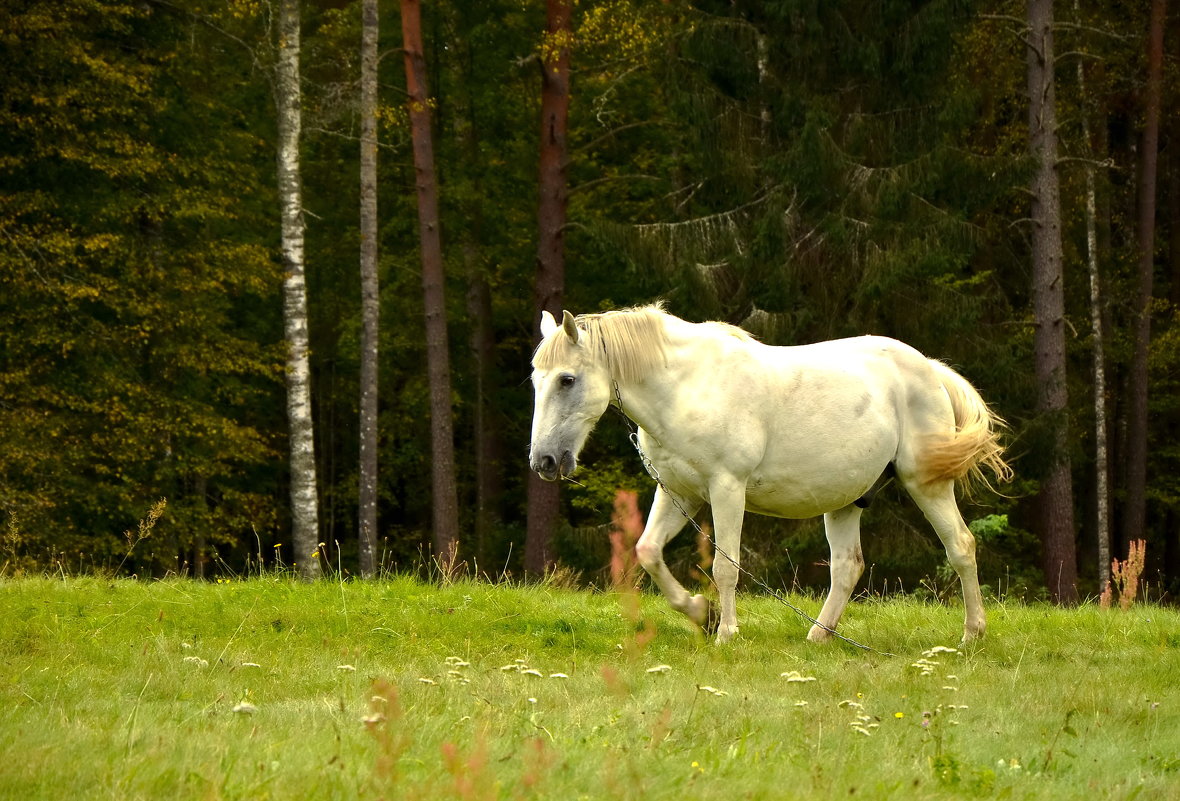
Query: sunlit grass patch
[(270, 688)]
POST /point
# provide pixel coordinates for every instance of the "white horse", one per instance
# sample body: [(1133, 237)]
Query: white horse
[(785, 431)]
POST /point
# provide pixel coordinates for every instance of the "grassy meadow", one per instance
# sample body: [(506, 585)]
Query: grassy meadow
[(271, 689)]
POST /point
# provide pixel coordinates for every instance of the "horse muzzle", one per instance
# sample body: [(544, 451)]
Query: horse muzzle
[(551, 468)]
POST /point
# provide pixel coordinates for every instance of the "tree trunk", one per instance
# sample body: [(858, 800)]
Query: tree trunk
[(489, 451), (549, 285), (370, 311), (1055, 515), (438, 361), (1135, 510), (488, 430), (1101, 458), (201, 493), (304, 501)]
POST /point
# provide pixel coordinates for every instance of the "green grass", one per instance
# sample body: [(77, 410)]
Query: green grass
[(121, 689)]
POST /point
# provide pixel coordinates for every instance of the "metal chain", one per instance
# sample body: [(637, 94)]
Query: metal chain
[(778, 596)]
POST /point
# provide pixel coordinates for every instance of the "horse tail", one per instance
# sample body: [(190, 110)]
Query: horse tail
[(975, 445)]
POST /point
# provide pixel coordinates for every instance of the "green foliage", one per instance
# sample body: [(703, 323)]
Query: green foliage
[(806, 169), (136, 359)]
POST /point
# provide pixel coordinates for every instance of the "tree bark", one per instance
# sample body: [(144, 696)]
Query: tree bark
[(1055, 514), (304, 501), (1135, 510), (488, 429), (1101, 456), (549, 284), (438, 361), (370, 310), (489, 450), (201, 493)]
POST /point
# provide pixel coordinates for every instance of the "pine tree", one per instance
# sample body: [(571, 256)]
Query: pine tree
[(442, 458), (370, 310), (549, 284), (1055, 500)]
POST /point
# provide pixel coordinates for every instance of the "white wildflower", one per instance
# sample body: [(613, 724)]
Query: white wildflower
[(707, 689), (925, 666), (251, 664), (347, 668), (558, 676), (425, 680), (196, 660), (659, 669), (245, 708), (800, 703), (795, 676), (531, 672)]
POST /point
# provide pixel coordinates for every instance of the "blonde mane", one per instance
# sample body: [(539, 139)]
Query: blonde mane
[(631, 341)]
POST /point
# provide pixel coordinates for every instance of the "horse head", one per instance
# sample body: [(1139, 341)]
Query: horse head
[(573, 388)]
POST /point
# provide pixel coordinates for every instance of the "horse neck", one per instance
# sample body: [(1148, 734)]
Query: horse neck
[(646, 401)]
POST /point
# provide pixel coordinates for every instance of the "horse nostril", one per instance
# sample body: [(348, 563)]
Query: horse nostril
[(548, 464)]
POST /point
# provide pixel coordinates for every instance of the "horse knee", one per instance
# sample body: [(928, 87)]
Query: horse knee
[(650, 556), (725, 574)]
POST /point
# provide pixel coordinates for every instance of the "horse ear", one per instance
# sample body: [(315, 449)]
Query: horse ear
[(548, 324), (567, 324)]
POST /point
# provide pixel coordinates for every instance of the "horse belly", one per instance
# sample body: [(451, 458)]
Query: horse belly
[(796, 500), (809, 482)]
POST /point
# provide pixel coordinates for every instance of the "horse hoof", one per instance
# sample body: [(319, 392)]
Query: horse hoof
[(819, 634), (726, 634)]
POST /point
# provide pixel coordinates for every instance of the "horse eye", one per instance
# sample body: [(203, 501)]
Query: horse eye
[(567, 381)]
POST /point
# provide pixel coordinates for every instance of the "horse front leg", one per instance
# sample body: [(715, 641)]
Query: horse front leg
[(728, 499), (663, 523)]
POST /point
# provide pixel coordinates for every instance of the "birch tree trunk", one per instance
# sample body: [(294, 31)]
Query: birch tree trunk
[(370, 311), (1055, 515), (304, 502), (549, 285), (1101, 456), (1135, 511), (438, 362)]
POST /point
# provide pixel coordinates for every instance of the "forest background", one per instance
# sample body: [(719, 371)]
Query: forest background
[(807, 170)]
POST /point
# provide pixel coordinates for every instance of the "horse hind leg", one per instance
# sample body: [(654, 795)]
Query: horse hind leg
[(937, 502), (846, 564)]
